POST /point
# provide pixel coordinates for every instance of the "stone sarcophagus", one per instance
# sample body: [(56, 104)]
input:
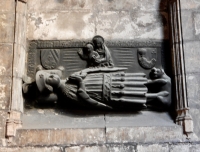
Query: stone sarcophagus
[(98, 73)]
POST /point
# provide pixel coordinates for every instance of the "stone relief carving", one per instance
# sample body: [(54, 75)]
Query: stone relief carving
[(100, 84), (147, 61)]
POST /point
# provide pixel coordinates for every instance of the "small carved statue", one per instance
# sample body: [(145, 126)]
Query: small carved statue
[(103, 51), (91, 56), (159, 89)]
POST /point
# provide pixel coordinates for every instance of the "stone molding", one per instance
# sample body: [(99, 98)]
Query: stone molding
[(183, 117)]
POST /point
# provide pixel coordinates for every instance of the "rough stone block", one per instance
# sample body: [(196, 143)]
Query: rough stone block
[(117, 5), (121, 148), (19, 61), (7, 6), (59, 137), (191, 53), (7, 27), (63, 25), (180, 148), (153, 148), (6, 51), (20, 31), (21, 7), (144, 134), (197, 24), (193, 90), (152, 5), (3, 117), (86, 149), (126, 25), (190, 4), (58, 5), (5, 92), (31, 149), (195, 113), (17, 97), (187, 25)]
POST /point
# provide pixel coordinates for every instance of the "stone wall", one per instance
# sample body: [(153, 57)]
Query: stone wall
[(191, 38), (7, 19), (82, 19)]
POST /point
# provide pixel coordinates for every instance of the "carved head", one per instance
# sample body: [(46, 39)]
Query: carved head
[(98, 41), (156, 73), (46, 82), (89, 47)]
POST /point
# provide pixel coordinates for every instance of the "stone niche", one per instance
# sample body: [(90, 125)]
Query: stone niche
[(66, 26)]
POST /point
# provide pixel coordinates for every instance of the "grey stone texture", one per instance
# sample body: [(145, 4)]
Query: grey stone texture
[(59, 137), (190, 20), (83, 19)]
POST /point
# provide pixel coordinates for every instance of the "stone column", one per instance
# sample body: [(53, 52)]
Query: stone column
[(18, 69), (178, 61)]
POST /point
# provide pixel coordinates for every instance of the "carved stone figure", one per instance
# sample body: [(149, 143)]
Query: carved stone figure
[(91, 56), (98, 87), (159, 89), (103, 51), (143, 58)]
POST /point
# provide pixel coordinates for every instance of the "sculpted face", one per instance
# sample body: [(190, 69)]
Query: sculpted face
[(156, 73), (98, 42), (53, 80), (89, 48)]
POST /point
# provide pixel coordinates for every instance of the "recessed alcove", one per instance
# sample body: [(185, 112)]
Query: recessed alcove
[(63, 126)]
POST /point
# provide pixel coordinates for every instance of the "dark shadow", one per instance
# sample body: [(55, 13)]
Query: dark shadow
[(166, 51)]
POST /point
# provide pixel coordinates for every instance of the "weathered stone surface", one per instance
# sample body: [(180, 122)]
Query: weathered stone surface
[(19, 61), (3, 117), (144, 134), (6, 51), (152, 5), (7, 27), (8, 6), (187, 25), (126, 25), (17, 97), (193, 90), (38, 5), (184, 148), (63, 25), (190, 4), (5, 91), (66, 118), (197, 24), (86, 149), (191, 53), (100, 5), (153, 148), (195, 113), (59, 137), (142, 118), (20, 31), (121, 148), (21, 8), (31, 149)]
